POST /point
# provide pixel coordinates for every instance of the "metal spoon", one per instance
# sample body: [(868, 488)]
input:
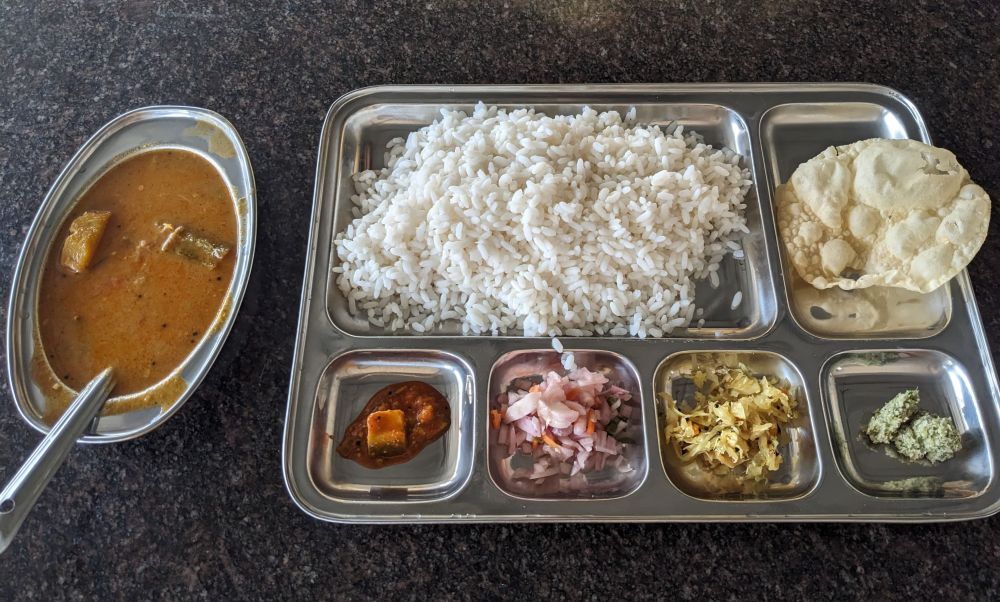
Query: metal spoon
[(23, 490)]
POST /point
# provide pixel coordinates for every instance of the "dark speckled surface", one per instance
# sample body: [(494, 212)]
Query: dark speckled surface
[(197, 509)]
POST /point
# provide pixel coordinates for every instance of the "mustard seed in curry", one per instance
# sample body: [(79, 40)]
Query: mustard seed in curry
[(139, 271)]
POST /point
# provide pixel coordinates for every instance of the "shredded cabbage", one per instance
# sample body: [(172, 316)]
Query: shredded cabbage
[(735, 424)]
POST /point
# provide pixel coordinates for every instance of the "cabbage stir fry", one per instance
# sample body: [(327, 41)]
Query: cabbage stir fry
[(735, 424)]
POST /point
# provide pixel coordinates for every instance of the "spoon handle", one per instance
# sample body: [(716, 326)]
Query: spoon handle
[(23, 490)]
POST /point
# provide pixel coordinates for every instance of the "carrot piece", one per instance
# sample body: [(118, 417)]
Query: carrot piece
[(549, 439), (534, 443), (591, 423), (535, 389), (495, 418)]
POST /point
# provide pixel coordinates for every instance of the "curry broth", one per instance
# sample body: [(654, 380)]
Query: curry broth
[(138, 308)]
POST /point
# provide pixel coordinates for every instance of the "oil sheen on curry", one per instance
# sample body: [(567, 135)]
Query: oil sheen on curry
[(137, 276)]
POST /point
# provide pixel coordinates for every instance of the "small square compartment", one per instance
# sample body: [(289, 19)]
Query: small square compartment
[(439, 471), (366, 127), (859, 383), (607, 483), (800, 467), (791, 134)]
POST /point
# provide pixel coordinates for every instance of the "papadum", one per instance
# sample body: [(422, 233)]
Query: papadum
[(881, 213)]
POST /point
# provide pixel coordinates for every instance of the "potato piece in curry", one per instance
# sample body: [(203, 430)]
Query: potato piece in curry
[(85, 233), (113, 295)]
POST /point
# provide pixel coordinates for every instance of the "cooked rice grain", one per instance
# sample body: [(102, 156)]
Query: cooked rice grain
[(514, 221)]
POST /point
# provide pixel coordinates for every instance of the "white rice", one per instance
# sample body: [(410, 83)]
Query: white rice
[(737, 299), (513, 221)]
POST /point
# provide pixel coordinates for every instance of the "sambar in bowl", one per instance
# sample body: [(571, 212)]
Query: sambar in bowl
[(138, 259)]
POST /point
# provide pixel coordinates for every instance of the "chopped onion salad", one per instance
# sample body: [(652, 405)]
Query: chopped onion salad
[(569, 425)]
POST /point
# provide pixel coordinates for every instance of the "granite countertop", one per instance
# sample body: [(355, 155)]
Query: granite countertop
[(198, 508)]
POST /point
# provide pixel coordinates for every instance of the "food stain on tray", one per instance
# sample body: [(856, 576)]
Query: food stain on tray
[(218, 143), (396, 424), (135, 279)]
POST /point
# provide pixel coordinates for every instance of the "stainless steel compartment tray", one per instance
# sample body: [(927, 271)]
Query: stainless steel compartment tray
[(776, 126)]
